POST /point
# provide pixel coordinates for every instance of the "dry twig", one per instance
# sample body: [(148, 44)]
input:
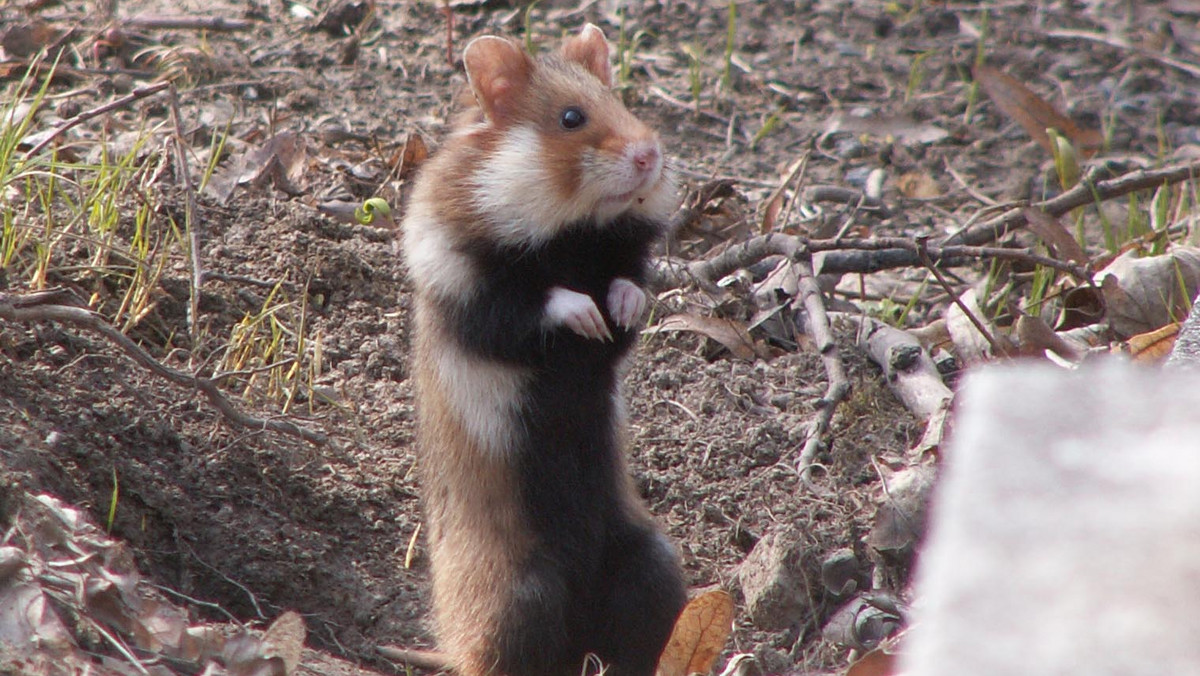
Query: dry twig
[(189, 217), (1088, 191), (41, 306), (839, 384), (844, 256), (430, 660), (216, 24), (139, 93), (998, 348)]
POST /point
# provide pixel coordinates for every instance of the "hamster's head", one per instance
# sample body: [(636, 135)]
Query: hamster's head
[(557, 147)]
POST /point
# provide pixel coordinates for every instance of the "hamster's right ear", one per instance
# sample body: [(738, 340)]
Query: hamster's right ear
[(499, 72)]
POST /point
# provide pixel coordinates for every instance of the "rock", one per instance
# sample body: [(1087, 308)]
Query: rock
[(1064, 538), (772, 580)]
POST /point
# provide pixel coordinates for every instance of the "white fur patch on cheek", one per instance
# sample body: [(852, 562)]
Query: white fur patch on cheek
[(513, 190), (484, 396)]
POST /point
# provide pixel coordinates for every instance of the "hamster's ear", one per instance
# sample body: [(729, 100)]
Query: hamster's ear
[(590, 50), (499, 73)]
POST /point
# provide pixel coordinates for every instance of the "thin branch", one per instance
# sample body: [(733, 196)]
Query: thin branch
[(189, 217), (670, 274), (1188, 67), (216, 24), (430, 660), (843, 256), (139, 93), (1085, 193), (35, 308), (942, 254), (923, 252), (838, 390)]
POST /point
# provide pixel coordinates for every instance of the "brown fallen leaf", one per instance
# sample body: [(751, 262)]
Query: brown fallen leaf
[(699, 635), (882, 661), (281, 162), (285, 639), (406, 160), (919, 185), (732, 335), (1155, 346), (1032, 112), (1034, 337), (24, 39), (1054, 235), (1144, 294), (1081, 306), (774, 203)]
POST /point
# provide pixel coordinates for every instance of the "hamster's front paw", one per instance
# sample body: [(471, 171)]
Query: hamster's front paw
[(578, 312), (626, 302)]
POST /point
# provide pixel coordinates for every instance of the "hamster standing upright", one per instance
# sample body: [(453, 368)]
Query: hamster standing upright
[(527, 238)]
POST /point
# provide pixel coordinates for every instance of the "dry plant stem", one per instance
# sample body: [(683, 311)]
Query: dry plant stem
[(189, 215), (29, 309), (997, 348), (203, 23), (1085, 193), (839, 384), (430, 660), (844, 256), (1118, 43), (940, 254), (907, 367), (707, 272), (139, 93)]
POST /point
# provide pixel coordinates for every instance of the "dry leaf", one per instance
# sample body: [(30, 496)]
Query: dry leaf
[(1054, 235), (1144, 294), (881, 661), (1155, 346), (874, 663), (918, 185), (699, 635), (27, 39), (280, 162), (28, 620), (1081, 306), (1033, 113), (1035, 337), (774, 203), (285, 639), (733, 335), (414, 153)]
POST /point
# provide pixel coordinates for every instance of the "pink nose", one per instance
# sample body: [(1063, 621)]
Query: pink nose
[(646, 157)]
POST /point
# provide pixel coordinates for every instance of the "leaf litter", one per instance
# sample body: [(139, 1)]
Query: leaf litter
[(63, 579)]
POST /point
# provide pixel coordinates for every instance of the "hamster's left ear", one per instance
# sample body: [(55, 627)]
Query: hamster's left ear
[(590, 50)]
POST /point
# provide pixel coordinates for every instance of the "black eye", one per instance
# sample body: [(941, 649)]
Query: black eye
[(572, 118)]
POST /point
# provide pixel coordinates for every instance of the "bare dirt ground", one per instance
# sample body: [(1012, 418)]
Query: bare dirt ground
[(259, 522)]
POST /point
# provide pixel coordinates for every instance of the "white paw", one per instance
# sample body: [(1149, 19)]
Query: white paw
[(578, 312), (626, 302)]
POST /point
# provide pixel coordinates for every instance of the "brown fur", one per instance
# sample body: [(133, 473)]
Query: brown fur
[(479, 541)]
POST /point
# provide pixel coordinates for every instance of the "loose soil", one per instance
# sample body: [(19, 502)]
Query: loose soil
[(260, 522)]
